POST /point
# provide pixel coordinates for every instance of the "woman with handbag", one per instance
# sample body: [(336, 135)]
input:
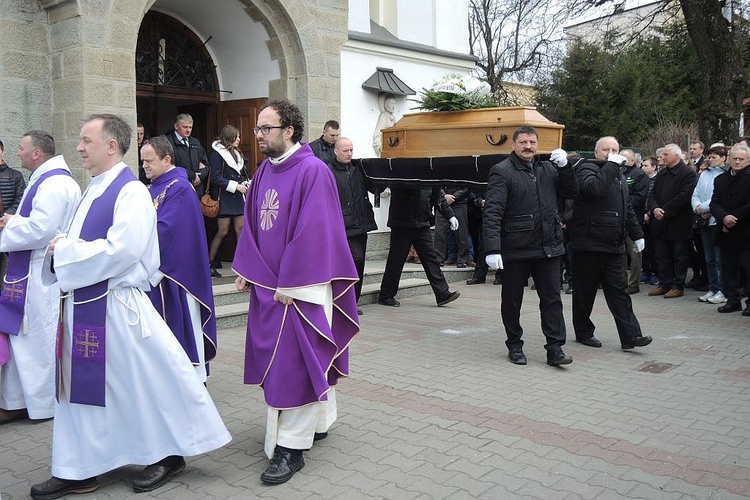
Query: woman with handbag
[(228, 185)]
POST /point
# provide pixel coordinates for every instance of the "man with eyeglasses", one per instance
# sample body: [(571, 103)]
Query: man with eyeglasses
[(301, 317), (671, 219)]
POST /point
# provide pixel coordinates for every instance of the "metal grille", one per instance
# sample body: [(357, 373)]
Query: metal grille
[(168, 54)]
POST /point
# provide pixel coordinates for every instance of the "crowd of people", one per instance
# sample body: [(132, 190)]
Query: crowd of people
[(107, 303)]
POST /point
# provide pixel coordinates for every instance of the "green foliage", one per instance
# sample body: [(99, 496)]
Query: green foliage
[(604, 89), (446, 101), (451, 94)]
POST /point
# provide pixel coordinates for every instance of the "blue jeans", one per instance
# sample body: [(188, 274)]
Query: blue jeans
[(713, 259)]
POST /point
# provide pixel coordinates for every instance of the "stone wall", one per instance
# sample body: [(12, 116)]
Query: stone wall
[(61, 60)]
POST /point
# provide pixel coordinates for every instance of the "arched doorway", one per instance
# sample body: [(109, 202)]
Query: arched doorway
[(174, 74)]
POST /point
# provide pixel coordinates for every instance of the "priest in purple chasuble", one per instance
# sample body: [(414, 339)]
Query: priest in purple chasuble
[(184, 297), (293, 258), (127, 393), (28, 309)]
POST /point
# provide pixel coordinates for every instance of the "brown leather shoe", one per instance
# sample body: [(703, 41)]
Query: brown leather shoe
[(674, 293), (657, 291)]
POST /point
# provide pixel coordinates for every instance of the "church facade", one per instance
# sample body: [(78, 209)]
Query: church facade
[(147, 60)]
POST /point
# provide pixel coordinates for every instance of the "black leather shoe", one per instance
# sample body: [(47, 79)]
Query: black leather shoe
[(497, 281), (557, 357), (55, 487), (729, 308), (359, 311), (591, 342), (746, 311), (517, 357), (156, 475), (475, 281), (461, 265), (636, 342), (389, 301), (319, 436), (7, 416), (215, 273), (448, 298), (284, 464)]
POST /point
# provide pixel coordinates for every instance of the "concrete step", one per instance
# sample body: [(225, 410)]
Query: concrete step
[(231, 305)]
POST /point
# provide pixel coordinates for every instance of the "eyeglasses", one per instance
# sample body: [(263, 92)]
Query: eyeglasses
[(265, 129)]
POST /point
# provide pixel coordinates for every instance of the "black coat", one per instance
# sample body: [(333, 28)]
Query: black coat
[(672, 191), (732, 197), (323, 150), (190, 159), (355, 203), (232, 204), (602, 214), (412, 207), (521, 220), (638, 184)]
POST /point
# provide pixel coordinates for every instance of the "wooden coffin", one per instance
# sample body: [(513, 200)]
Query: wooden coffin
[(486, 131)]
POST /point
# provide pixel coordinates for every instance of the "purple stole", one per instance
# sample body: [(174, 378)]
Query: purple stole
[(16, 281), (88, 360)]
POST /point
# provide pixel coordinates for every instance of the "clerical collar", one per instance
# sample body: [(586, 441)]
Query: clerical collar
[(289, 152)]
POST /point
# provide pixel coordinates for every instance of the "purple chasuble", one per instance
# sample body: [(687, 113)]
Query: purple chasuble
[(184, 262), (15, 282), (294, 237), (88, 363)]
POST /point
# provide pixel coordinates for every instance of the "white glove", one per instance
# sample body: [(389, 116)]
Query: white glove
[(639, 245), (559, 157), (616, 158), (494, 261), (454, 223)]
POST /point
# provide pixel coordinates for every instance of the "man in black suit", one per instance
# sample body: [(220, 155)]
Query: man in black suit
[(671, 219), (188, 152)]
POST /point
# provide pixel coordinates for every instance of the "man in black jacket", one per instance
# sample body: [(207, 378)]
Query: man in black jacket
[(409, 219), (637, 182), (521, 221), (355, 204), (601, 226), (322, 147), (730, 205), (188, 152), (671, 220), (456, 197)]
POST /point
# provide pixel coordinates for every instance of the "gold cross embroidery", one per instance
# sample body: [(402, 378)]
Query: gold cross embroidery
[(89, 342), (13, 291)]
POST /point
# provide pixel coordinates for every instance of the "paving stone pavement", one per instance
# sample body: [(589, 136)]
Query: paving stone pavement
[(434, 410)]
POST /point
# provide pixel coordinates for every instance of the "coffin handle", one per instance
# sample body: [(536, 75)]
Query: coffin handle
[(500, 141), (393, 141)]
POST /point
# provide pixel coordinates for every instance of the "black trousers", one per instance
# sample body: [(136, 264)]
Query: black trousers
[(358, 248), (591, 269), (461, 235), (546, 274), (735, 274), (402, 238), (672, 262)]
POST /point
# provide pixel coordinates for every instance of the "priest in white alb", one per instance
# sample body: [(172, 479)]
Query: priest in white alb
[(128, 393), (28, 309)]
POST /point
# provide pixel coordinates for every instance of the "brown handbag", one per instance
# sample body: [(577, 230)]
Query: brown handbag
[(209, 206)]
